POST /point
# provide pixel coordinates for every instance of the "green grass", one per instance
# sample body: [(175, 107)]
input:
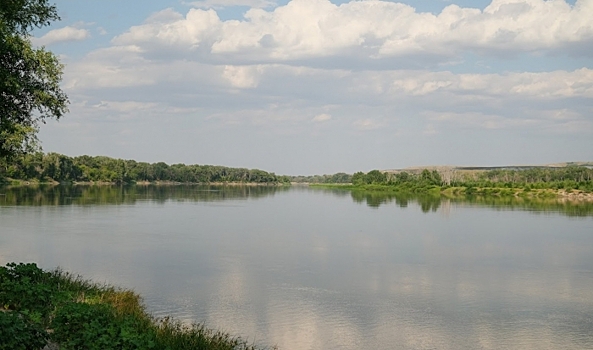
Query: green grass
[(39, 307)]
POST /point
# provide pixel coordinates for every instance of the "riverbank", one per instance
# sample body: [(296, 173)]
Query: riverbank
[(50, 310), (561, 194)]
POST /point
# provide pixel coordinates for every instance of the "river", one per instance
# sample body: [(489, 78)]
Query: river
[(305, 268)]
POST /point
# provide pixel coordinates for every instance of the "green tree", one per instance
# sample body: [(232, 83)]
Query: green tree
[(358, 178), (376, 177), (29, 77)]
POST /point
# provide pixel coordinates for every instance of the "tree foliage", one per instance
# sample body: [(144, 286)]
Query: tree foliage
[(29, 77), (337, 178), (568, 178), (58, 167)]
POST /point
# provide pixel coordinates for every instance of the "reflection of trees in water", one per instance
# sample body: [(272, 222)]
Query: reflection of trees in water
[(432, 203), (87, 195), (97, 195), (375, 199), (537, 205)]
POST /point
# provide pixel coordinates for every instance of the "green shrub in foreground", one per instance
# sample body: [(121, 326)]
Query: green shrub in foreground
[(96, 327), (16, 333), (24, 288)]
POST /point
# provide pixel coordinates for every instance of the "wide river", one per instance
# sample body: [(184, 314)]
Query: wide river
[(307, 268)]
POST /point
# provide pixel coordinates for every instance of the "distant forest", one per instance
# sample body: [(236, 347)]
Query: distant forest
[(58, 167), (338, 178), (567, 178)]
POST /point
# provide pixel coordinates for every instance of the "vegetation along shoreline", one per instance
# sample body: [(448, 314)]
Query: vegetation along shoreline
[(569, 181), (55, 309), (58, 168), (573, 182)]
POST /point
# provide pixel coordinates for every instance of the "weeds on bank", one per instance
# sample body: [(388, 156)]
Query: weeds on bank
[(38, 307)]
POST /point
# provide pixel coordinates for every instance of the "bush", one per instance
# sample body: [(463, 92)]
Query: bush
[(95, 326), (16, 333), (22, 289)]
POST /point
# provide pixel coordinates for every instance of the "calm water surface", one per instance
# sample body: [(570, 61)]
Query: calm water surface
[(317, 269)]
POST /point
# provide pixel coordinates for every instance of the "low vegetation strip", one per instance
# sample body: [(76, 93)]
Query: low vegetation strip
[(57, 310)]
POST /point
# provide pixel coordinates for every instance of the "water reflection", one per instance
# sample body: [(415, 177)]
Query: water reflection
[(432, 203), (109, 195)]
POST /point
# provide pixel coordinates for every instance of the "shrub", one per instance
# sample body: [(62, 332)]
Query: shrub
[(22, 289), (16, 333), (96, 327)]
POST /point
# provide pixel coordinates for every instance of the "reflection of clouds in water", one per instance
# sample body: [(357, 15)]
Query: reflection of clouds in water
[(231, 308), (320, 246), (403, 334), (300, 319), (411, 307)]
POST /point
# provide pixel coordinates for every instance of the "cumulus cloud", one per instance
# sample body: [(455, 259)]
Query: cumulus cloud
[(304, 29), (62, 35), (236, 71)]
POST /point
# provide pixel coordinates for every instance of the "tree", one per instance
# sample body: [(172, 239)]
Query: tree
[(358, 178), (29, 77), (376, 177)]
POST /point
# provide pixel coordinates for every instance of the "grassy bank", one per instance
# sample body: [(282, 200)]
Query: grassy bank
[(57, 310)]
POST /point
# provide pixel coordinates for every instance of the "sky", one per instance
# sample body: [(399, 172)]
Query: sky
[(305, 87)]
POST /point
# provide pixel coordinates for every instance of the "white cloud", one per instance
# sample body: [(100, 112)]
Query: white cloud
[(544, 85), (281, 119), (369, 29), (480, 120), (125, 106), (108, 68), (430, 130), (555, 121), (127, 66), (230, 3), (367, 124), (242, 76), (62, 35), (322, 118), (172, 29)]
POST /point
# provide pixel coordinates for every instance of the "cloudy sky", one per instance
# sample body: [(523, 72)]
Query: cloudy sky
[(318, 86)]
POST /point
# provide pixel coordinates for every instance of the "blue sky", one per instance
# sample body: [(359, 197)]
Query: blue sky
[(312, 86)]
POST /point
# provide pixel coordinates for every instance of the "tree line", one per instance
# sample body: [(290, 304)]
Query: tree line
[(338, 178), (58, 167), (571, 177)]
